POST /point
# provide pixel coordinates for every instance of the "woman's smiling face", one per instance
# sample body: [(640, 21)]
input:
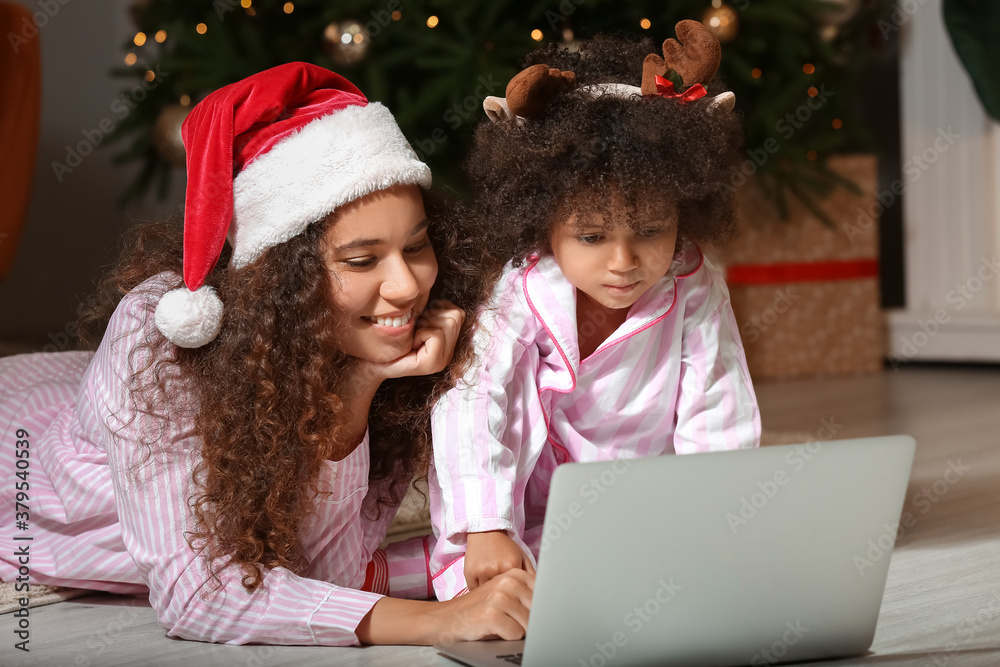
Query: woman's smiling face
[(383, 267)]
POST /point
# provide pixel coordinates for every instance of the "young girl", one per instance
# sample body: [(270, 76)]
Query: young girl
[(238, 441), (608, 335)]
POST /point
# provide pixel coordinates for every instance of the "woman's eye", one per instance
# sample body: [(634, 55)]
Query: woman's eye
[(359, 263), (420, 247)]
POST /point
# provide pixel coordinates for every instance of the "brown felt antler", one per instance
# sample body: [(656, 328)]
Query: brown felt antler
[(696, 57), (531, 89)]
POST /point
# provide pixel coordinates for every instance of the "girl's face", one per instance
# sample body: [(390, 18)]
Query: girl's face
[(610, 262), (380, 255)]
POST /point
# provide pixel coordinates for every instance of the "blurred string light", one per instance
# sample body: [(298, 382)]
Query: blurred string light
[(288, 7), (346, 43), (722, 20), (201, 28), (827, 132), (813, 91), (150, 75), (185, 100), (139, 39)]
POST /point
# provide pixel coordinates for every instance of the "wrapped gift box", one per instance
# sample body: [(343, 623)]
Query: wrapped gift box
[(806, 296)]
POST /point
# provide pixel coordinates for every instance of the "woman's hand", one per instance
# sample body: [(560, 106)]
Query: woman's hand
[(434, 340), (490, 554), (498, 608)]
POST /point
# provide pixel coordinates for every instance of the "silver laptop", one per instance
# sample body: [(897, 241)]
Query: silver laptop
[(751, 557)]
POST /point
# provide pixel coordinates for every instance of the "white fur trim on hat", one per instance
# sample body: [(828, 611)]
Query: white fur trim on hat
[(331, 161), (189, 319)]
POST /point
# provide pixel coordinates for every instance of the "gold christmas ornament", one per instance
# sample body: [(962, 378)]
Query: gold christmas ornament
[(167, 134), (722, 20), (346, 42)]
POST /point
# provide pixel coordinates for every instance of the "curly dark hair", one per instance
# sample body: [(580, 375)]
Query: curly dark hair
[(273, 384), (528, 175)]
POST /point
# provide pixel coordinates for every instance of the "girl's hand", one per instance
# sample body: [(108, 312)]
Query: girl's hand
[(497, 609), (490, 554), (434, 341)]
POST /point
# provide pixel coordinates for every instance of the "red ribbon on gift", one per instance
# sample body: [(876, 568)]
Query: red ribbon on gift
[(665, 88), (800, 272)]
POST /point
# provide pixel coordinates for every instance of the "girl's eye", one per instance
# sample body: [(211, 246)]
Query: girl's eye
[(589, 239), (649, 233)]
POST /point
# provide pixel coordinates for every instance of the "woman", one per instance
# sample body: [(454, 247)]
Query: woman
[(242, 462)]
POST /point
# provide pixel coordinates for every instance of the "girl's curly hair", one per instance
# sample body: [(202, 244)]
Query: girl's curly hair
[(581, 148), (270, 385)]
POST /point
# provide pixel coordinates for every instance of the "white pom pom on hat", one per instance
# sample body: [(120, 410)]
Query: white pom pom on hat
[(302, 141), (189, 319)]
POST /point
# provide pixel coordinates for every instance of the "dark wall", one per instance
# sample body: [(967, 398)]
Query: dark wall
[(73, 224)]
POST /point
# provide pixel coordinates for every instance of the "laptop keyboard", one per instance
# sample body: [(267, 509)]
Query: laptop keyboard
[(512, 658)]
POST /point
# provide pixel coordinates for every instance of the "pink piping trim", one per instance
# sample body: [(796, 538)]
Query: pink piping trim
[(558, 446), (427, 568), (555, 341), (445, 568), (701, 260), (673, 302)]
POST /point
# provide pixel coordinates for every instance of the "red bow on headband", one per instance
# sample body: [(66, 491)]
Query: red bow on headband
[(665, 88)]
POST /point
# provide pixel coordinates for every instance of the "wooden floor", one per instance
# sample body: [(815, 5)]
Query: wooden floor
[(942, 600)]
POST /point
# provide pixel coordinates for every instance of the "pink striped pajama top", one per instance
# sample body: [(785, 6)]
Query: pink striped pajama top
[(95, 522), (672, 379)]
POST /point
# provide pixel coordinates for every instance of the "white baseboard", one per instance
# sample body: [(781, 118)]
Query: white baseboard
[(944, 335)]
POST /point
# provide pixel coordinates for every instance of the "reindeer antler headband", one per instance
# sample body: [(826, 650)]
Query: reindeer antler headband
[(695, 61)]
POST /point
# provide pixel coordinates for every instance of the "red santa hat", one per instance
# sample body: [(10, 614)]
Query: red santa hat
[(267, 156)]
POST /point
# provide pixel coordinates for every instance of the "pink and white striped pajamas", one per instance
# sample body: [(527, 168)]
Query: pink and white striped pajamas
[(94, 524), (672, 379)]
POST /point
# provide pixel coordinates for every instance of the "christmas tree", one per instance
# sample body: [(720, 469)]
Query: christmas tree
[(793, 65)]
